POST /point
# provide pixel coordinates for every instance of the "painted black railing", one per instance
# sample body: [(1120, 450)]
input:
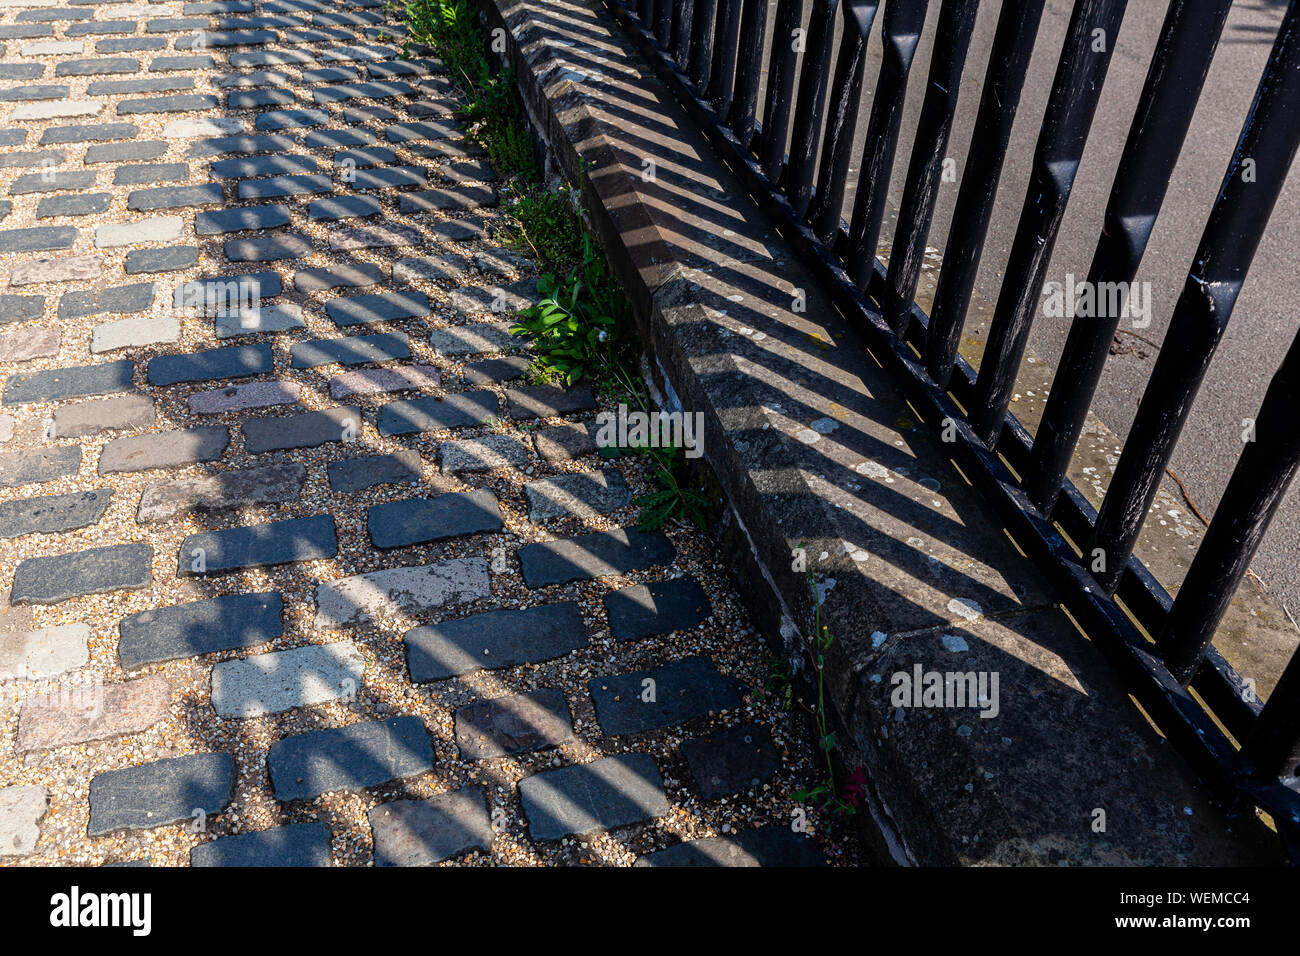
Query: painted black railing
[(797, 159)]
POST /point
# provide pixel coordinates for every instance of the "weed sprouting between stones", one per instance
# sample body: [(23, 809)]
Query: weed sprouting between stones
[(581, 328), (493, 109), (824, 793)]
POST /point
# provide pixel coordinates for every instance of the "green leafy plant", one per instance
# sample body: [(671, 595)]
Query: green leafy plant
[(579, 329), (547, 226), (824, 792), (673, 499), (780, 680), (492, 106)]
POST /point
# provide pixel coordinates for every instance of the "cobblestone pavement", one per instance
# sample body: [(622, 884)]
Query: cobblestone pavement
[(299, 571)]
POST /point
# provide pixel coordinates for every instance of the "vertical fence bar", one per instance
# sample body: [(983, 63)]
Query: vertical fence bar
[(903, 21), (1013, 44), (846, 101), (681, 31), (1075, 92), (749, 70), (1173, 86), (925, 169), (1274, 745), (663, 24), (778, 107), (645, 9), (701, 58), (798, 179), (1259, 166), (1259, 480), (725, 41)]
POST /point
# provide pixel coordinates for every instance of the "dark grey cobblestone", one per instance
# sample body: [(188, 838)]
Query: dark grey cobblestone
[(586, 798), (731, 761), (156, 794), (399, 524), (584, 494), (493, 640), (20, 308), (236, 361), (38, 239), (244, 167), (227, 623), (125, 152), (394, 177), (548, 401), (36, 91), (305, 430), (239, 143), (380, 307), (357, 474), (644, 610), (291, 119), (365, 156), (130, 44), (53, 514), (57, 578), (148, 84), (330, 74), (519, 723), (278, 186), (269, 248), (424, 832), (180, 103), (450, 199), (214, 222), (349, 758), (437, 414), (351, 350), (775, 846), (58, 384), (28, 159), (229, 489), (174, 259), (193, 61), (222, 293), (258, 546), (340, 275), (495, 371), (87, 204), (685, 689), (149, 173), (593, 555), (124, 298), (403, 132), (338, 138), (90, 133), (344, 207), (96, 66), (298, 844), (174, 197), (62, 179)]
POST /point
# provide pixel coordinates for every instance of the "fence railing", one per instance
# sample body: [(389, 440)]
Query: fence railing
[(796, 158)]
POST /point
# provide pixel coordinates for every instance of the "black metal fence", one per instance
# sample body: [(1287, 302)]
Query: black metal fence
[(796, 159)]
